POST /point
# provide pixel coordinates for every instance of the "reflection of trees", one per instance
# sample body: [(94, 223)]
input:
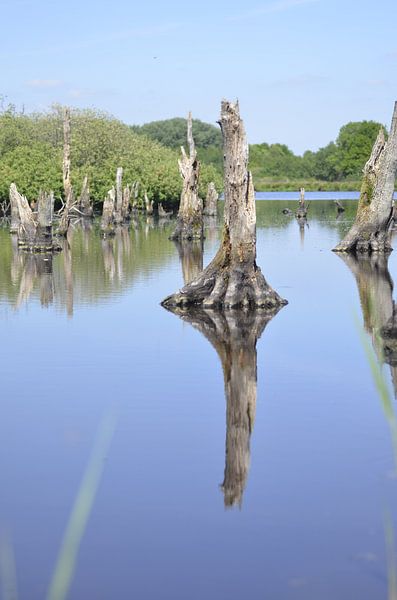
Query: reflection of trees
[(88, 270), (234, 334), (191, 257), (375, 288)]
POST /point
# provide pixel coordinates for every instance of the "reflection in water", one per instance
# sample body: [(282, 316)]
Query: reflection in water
[(36, 267), (375, 288), (234, 334), (302, 222), (191, 257)]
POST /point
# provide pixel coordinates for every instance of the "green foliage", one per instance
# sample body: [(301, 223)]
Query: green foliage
[(31, 155), (354, 145)]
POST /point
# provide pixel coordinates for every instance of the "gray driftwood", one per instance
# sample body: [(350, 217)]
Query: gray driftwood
[(211, 201), (370, 231), (189, 224), (232, 279)]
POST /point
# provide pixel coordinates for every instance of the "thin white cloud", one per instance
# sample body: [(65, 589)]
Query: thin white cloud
[(272, 7), (44, 83)]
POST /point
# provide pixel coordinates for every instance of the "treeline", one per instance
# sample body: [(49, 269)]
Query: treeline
[(340, 161), (31, 156)]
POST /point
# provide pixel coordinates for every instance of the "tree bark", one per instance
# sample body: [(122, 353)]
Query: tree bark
[(371, 229), (232, 279), (190, 216), (125, 207), (211, 201), (15, 221), (118, 218)]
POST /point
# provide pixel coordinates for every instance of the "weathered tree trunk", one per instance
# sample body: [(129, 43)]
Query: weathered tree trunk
[(107, 224), (148, 205), (125, 207), (85, 204), (233, 279), (190, 215), (211, 201), (375, 288), (234, 335), (64, 221), (191, 257), (14, 210), (371, 230), (35, 230), (302, 207), (118, 218), (135, 195)]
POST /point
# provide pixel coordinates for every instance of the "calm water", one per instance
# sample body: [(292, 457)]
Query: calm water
[(97, 375)]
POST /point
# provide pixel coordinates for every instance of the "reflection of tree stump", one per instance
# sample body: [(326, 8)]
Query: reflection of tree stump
[(234, 334), (191, 257), (233, 278), (375, 288), (370, 231), (36, 267)]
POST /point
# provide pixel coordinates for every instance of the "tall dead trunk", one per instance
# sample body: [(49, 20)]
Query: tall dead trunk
[(148, 205), (85, 204), (125, 207), (64, 221), (118, 218), (35, 230), (107, 223), (211, 201), (371, 230), (190, 215), (234, 335), (14, 210), (232, 279)]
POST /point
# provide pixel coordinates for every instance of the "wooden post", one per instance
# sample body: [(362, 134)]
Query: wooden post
[(190, 216), (233, 279), (211, 201), (107, 223), (371, 230)]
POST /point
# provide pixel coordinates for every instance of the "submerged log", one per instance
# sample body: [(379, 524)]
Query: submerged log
[(211, 201), (234, 335), (190, 215), (35, 229), (64, 221), (232, 279), (371, 230), (85, 204), (107, 221)]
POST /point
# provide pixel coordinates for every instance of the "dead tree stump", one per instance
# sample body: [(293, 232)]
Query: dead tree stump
[(232, 279), (84, 203), (371, 230), (118, 218), (15, 221), (125, 206), (35, 229), (190, 215), (107, 221), (302, 206), (148, 205), (163, 213), (211, 201)]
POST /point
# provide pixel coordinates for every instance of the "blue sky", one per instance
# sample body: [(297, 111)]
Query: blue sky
[(300, 68)]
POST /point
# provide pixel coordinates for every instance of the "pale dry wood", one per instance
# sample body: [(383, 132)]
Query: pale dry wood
[(371, 230), (14, 209), (189, 224), (232, 279), (148, 204), (107, 221), (64, 221), (211, 201), (118, 218), (84, 202)]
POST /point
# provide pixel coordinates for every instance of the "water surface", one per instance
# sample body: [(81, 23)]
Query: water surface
[(296, 507)]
